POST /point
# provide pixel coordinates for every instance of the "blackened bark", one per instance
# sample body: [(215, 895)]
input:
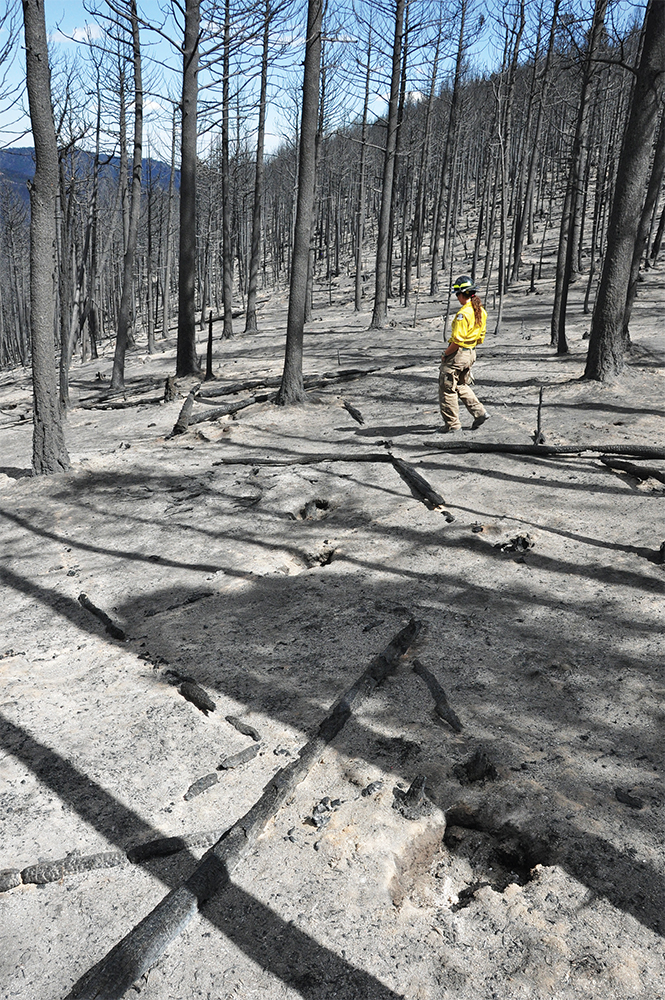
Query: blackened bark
[(567, 232), (251, 325), (166, 291), (227, 246), (648, 211), (49, 454), (380, 313), (606, 343), (292, 389), (125, 312), (360, 220), (186, 359), (443, 201)]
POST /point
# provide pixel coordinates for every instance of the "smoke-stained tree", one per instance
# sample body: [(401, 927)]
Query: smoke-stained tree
[(49, 453), (607, 342), (186, 359), (292, 389)]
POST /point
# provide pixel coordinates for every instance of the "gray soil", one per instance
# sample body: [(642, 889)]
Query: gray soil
[(536, 868)]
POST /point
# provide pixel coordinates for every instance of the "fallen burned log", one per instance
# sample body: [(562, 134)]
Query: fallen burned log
[(212, 391), (310, 382), (225, 411), (145, 944), (243, 727), (420, 486), (186, 418), (55, 871), (311, 459), (635, 451), (355, 413), (113, 630), (123, 404), (441, 705), (638, 471), (185, 415)]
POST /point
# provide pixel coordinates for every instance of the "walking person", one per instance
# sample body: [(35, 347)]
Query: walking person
[(455, 378)]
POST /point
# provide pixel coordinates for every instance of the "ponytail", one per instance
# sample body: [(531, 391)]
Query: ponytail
[(477, 308)]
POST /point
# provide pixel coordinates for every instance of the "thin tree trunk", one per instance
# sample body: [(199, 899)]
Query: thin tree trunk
[(251, 325), (504, 131), (227, 245), (360, 216), (380, 313), (419, 212), (124, 315), (566, 252), (168, 255), (444, 189), (524, 214), (186, 359)]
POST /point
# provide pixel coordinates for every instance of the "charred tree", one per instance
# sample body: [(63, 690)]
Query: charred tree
[(292, 389), (648, 212), (607, 343), (251, 325), (566, 253), (49, 453), (380, 314), (125, 312), (186, 359)]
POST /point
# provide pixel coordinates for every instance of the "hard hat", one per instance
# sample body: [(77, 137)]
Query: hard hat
[(464, 286)]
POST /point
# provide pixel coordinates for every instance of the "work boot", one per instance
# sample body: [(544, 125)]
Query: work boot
[(479, 421), (450, 430)]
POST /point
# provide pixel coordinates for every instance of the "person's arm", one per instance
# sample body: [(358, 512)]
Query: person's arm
[(458, 321)]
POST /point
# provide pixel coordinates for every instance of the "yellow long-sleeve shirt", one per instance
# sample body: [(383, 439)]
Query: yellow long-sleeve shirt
[(466, 332)]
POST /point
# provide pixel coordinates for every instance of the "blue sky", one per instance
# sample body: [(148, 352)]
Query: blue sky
[(68, 24)]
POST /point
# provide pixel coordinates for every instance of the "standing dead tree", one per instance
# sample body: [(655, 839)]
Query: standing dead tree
[(186, 359), (380, 313), (251, 325), (49, 453), (607, 342), (125, 313), (571, 205), (292, 389)]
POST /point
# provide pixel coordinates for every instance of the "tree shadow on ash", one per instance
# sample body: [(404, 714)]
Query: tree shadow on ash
[(285, 951), (394, 430), (598, 471), (279, 947), (291, 596), (15, 473)]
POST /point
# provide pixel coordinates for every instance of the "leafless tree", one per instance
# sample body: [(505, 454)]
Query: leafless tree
[(292, 389), (49, 453), (607, 341)]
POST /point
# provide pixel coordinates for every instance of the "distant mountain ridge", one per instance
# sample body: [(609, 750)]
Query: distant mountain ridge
[(17, 167)]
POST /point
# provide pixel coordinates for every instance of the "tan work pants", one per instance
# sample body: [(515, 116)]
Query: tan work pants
[(453, 378)]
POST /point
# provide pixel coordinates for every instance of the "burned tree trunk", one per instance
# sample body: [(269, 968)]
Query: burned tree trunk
[(125, 313), (648, 211), (186, 360), (292, 389), (227, 245), (49, 454), (606, 344), (251, 325), (380, 313)]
